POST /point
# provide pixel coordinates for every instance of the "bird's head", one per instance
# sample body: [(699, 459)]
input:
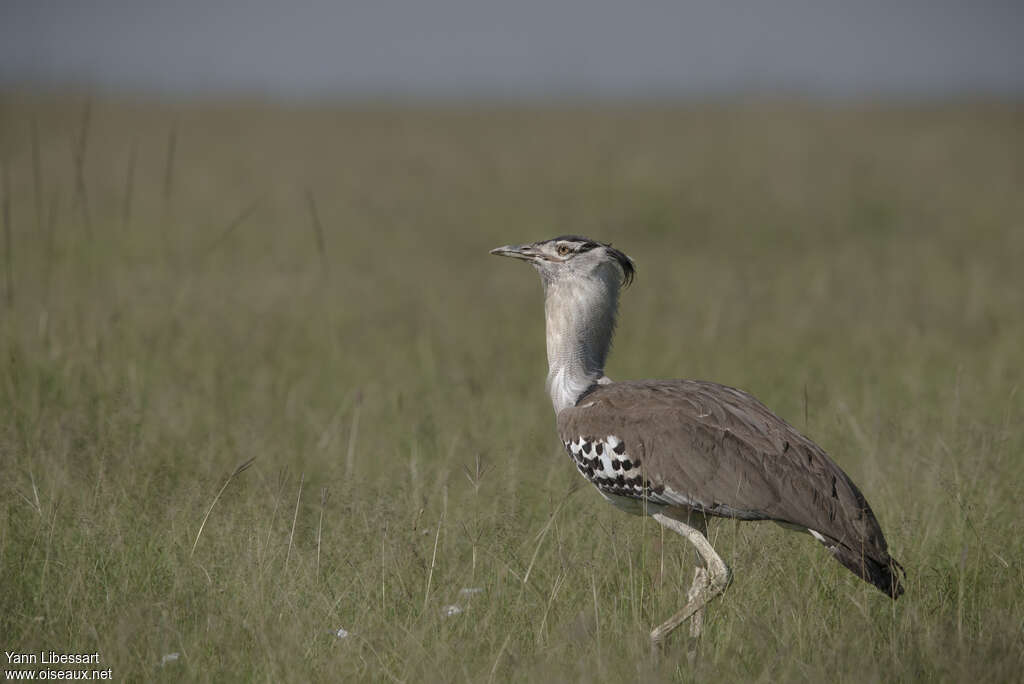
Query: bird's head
[(570, 258)]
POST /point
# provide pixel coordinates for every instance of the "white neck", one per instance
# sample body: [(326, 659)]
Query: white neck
[(580, 320)]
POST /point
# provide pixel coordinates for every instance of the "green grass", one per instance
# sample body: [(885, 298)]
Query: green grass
[(858, 268)]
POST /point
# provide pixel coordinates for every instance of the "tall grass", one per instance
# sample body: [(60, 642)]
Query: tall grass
[(856, 267)]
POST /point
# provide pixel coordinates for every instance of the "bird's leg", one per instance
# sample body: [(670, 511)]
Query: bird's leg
[(699, 522), (716, 577), (700, 584)]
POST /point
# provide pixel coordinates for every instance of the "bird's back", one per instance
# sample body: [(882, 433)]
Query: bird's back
[(719, 450)]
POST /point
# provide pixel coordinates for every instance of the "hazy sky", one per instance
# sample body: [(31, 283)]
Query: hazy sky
[(512, 47)]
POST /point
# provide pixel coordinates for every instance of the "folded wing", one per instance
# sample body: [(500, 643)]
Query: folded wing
[(719, 450)]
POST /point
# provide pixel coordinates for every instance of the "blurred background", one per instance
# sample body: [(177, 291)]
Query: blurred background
[(260, 230), (402, 48)]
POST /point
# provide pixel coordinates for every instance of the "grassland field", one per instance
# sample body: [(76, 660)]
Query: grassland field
[(191, 286)]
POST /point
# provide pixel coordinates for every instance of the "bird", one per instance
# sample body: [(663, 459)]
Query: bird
[(684, 451)]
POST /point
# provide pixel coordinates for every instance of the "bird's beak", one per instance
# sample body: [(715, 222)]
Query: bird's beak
[(516, 251)]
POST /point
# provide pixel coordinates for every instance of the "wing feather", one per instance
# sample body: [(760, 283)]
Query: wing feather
[(718, 449)]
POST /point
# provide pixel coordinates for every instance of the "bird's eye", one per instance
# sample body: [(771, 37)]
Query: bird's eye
[(563, 250)]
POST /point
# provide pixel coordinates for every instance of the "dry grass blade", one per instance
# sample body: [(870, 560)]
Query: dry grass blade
[(555, 587), (497, 659), (35, 494), (239, 219), (433, 561), (320, 529), (172, 146), (318, 230), (544, 531), (81, 191), (37, 176), (295, 518), (50, 245), (129, 185), (34, 501), (237, 471), (353, 435)]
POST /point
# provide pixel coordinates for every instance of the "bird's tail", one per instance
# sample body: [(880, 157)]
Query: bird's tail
[(884, 574)]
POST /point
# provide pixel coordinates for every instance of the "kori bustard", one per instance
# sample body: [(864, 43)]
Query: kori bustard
[(683, 450)]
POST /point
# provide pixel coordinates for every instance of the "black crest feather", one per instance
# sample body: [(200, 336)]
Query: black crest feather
[(628, 268)]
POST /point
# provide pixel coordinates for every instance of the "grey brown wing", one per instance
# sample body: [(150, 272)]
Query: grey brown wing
[(719, 450)]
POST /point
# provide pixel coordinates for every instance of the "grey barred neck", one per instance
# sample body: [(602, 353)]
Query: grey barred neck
[(580, 321)]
